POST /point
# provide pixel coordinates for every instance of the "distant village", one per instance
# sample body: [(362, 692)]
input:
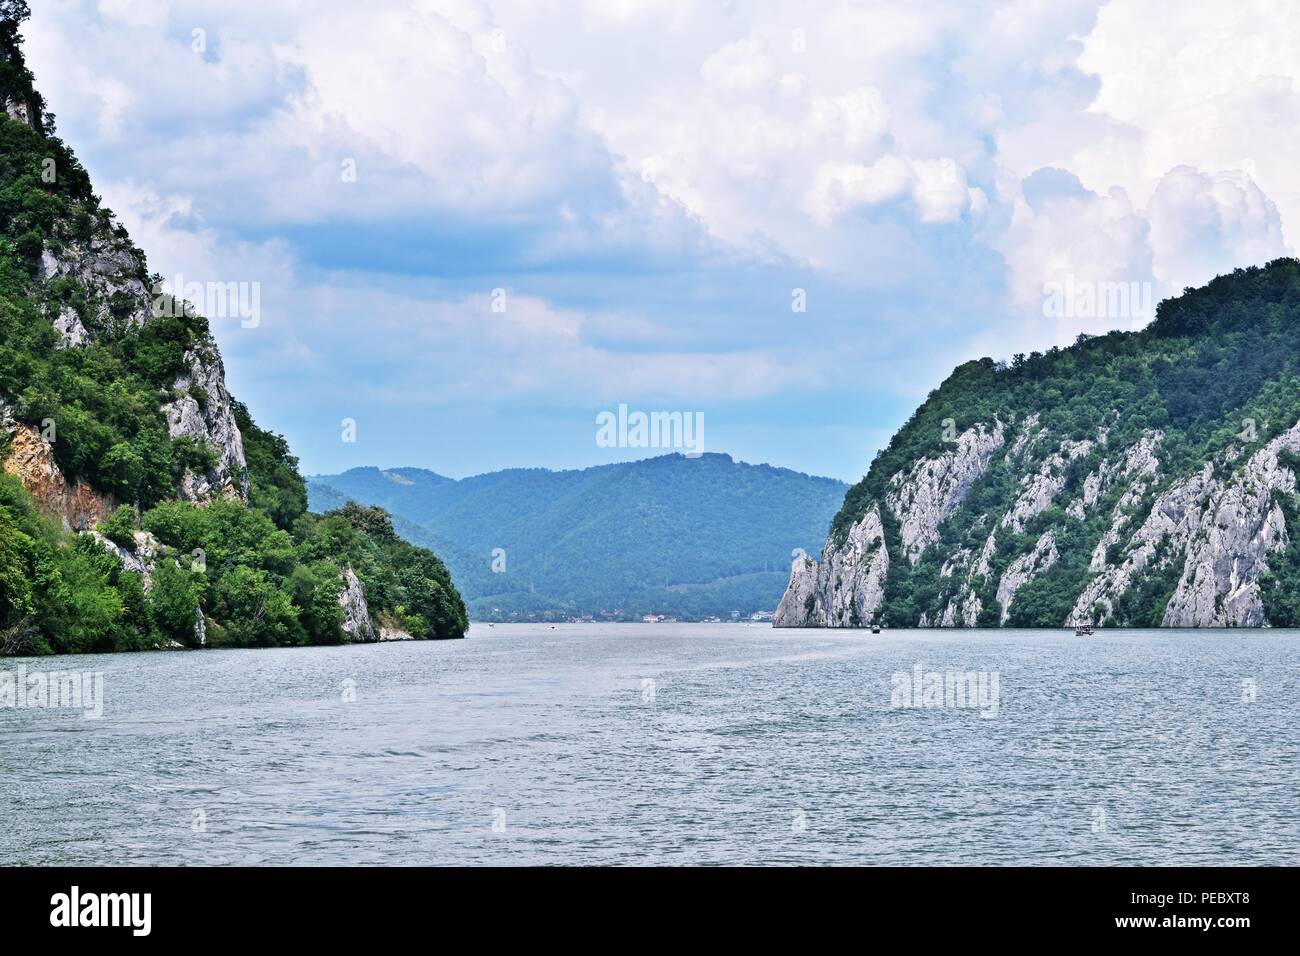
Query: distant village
[(621, 617), (756, 617)]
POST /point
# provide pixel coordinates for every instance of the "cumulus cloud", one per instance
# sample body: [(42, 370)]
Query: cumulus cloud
[(1061, 232), (1203, 226), (652, 181), (936, 186)]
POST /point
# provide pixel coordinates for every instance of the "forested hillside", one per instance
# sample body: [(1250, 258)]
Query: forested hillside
[(140, 505), (669, 535), (1140, 478)]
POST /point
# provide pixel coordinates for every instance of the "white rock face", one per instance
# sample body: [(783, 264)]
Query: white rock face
[(1164, 534), (1216, 529), (20, 111), (1023, 570), (209, 419), (356, 615), (802, 604), (1138, 466), (141, 558), (935, 487), (68, 325), (109, 271), (1041, 488), (846, 587), (963, 610), (1029, 436), (1242, 525), (957, 562), (111, 274), (1141, 469)]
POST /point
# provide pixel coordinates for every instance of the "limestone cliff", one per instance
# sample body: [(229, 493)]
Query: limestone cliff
[(356, 613), (1140, 479), (845, 588)]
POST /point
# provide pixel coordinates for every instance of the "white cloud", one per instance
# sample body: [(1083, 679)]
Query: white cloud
[(742, 68), (923, 169), (1203, 225), (1063, 235), (1191, 83), (841, 186), (940, 190)]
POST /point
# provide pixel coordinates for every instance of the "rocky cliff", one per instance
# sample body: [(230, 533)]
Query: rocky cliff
[(1133, 479), (140, 504), (31, 459)]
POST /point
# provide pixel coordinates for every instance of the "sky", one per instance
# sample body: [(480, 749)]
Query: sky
[(473, 227)]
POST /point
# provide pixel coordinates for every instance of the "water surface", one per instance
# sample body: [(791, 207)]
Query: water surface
[(668, 744)]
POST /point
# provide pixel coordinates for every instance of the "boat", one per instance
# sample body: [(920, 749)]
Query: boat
[(1083, 630), (875, 628)]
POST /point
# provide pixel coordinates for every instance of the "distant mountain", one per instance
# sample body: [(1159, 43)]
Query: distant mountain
[(1139, 479), (670, 535)]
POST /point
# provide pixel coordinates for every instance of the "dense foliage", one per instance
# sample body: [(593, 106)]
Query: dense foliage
[(1216, 360), (669, 535)]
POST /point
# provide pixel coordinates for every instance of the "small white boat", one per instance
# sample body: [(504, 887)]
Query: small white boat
[(1083, 630)]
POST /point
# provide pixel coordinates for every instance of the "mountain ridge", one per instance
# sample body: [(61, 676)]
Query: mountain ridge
[(686, 537), (1134, 478)]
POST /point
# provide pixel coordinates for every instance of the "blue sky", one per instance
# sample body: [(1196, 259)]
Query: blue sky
[(649, 183)]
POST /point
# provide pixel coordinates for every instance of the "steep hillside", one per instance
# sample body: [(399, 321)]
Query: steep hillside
[(668, 535), (1140, 479), (140, 505)]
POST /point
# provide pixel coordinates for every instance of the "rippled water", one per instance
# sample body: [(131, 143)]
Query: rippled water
[(668, 744)]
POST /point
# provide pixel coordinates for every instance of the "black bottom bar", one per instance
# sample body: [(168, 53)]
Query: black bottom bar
[(333, 906)]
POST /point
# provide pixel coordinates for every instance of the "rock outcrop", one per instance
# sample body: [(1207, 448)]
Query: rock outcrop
[(846, 587), (140, 558), (1241, 526), (109, 274), (357, 624), (31, 459), (933, 488), (202, 411), (1023, 570), (1214, 531), (22, 110), (1039, 490), (1160, 539)]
